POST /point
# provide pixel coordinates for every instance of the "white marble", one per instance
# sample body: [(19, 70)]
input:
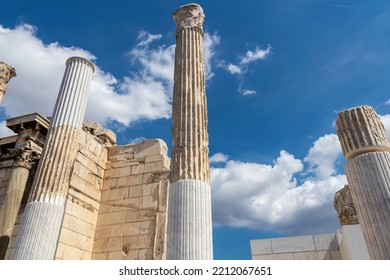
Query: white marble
[(292, 244), (326, 242), (73, 94), (189, 221), (261, 246), (352, 244), (369, 178), (38, 235)]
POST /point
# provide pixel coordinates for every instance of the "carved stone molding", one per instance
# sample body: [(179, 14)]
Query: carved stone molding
[(189, 16), (6, 73), (345, 207), (24, 157)]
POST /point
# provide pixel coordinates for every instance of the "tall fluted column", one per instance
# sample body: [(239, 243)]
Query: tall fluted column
[(14, 194), (365, 145), (6, 73), (189, 212), (42, 219)]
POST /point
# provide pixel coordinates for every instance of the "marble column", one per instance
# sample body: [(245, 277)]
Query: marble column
[(366, 147), (6, 73), (42, 219), (189, 212), (14, 194)]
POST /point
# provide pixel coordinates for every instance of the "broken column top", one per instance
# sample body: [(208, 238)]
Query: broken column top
[(190, 15), (360, 131), (7, 72)]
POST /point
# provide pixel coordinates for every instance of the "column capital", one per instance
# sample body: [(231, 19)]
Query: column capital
[(345, 208), (24, 157), (7, 72), (188, 16), (361, 131)]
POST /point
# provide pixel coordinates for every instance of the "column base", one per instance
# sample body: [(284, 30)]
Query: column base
[(189, 221), (40, 229)]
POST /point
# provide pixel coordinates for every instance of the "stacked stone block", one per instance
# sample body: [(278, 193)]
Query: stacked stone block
[(132, 215), (83, 200)]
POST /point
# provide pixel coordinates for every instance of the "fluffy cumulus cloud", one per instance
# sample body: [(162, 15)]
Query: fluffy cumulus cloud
[(323, 154), (279, 197), (146, 94)]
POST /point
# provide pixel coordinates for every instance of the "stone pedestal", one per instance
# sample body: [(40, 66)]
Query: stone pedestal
[(42, 219), (189, 212), (6, 73), (367, 150)]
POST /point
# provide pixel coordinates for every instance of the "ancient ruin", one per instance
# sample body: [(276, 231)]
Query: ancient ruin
[(69, 192), (365, 146), (189, 213), (7, 72)]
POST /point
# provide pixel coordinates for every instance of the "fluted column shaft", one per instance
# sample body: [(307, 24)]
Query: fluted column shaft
[(189, 212), (42, 219), (14, 194), (189, 112), (366, 148)]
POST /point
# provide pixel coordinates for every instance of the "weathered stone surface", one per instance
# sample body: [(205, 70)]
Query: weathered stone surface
[(41, 226), (7, 72), (360, 131), (345, 207), (107, 136), (189, 195), (367, 150), (189, 111)]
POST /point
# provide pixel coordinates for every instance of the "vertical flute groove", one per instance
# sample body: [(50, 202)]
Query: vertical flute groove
[(189, 211), (42, 219)]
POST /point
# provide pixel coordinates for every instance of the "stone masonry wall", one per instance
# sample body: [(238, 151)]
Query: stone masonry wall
[(132, 217), (5, 174), (79, 224)]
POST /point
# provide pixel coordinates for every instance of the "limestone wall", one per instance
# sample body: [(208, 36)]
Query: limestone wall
[(132, 217), (79, 224), (117, 199)]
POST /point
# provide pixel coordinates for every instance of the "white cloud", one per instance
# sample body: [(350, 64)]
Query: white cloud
[(386, 123), (275, 197), (146, 94), (233, 69), (241, 68), (218, 157), (209, 44), (323, 155), (250, 56), (245, 91), (5, 131), (257, 54)]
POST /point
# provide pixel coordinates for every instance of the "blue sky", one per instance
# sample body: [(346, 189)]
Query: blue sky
[(278, 73)]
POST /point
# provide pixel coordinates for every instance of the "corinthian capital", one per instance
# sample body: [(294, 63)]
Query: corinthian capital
[(187, 16), (24, 157), (6, 73), (345, 207)]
